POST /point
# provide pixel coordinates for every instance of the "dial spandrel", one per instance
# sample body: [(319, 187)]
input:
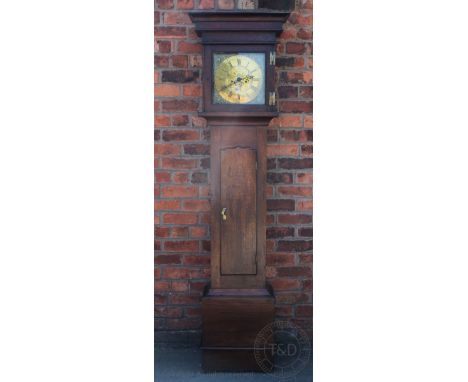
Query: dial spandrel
[(239, 78)]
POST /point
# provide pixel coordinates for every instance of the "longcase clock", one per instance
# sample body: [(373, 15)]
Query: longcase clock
[(239, 100)]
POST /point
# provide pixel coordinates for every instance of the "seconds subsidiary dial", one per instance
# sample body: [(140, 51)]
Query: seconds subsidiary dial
[(239, 78)]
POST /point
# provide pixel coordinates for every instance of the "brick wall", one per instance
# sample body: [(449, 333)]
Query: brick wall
[(182, 164)]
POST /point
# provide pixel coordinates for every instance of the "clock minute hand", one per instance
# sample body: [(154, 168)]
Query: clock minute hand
[(232, 83), (239, 79)]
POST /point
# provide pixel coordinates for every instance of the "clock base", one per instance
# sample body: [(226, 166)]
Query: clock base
[(232, 319)]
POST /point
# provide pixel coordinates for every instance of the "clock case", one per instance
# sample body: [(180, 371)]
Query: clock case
[(237, 304)]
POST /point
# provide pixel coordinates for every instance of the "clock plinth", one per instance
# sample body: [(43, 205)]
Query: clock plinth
[(239, 102)]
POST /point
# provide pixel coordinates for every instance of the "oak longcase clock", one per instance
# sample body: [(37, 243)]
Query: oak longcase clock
[(239, 100)]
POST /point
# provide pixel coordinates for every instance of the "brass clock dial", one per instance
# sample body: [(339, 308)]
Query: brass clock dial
[(239, 78)]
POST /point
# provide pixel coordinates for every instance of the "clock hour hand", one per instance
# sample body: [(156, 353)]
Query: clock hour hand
[(239, 79)]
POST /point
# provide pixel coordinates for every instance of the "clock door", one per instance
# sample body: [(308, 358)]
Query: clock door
[(238, 172), (239, 211)]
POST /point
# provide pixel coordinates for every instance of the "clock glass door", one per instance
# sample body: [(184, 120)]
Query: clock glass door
[(239, 78)]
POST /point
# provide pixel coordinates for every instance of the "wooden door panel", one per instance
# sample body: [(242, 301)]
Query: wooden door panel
[(239, 197)]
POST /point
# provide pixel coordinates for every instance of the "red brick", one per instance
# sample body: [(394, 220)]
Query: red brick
[(281, 259), (180, 177), (181, 246), (304, 205), (226, 4), (282, 150), (176, 273), (304, 178), (184, 4), (179, 232), (162, 46), (192, 90), (291, 298), (307, 150), (293, 163), (193, 312), (295, 190), (308, 121), (159, 299), (295, 246), (196, 260), (197, 232), (199, 122), (296, 135), (296, 77), (304, 34), (292, 106), (305, 258), (161, 232), (164, 4), (161, 62), (181, 135), (206, 4), (166, 149), (180, 120), (168, 259), (279, 177), (295, 219), (179, 191), (161, 286), (285, 92), (157, 18), (179, 163), (176, 18), (196, 149), (184, 300), (285, 284), (307, 285), (287, 121), (157, 245), (165, 90), (179, 61), (288, 34), (180, 76), (197, 205), (180, 218), (183, 323), (170, 32), (274, 232), (180, 105), (169, 205), (179, 286), (295, 48), (280, 205), (200, 177), (162, 177), (304, 311), (162, 120), (166, 311), (297, 18), (189, 47)]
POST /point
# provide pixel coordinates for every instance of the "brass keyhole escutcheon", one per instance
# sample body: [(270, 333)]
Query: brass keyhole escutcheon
[(223, 213)]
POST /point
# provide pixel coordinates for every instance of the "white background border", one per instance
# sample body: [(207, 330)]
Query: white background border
[(391, 210)]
